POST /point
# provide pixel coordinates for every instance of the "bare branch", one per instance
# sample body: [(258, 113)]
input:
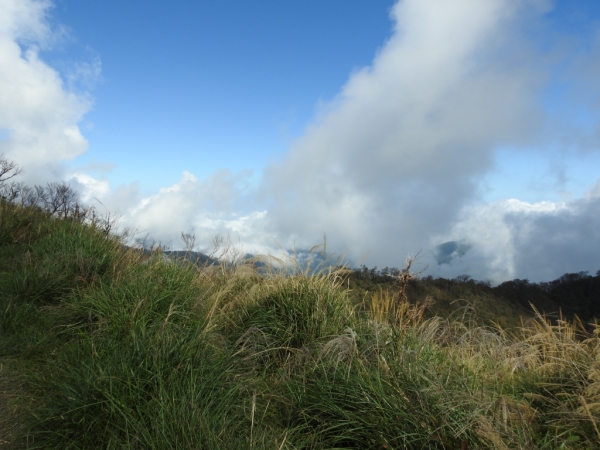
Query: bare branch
[(189, 240), (8, 169), (406, 276)]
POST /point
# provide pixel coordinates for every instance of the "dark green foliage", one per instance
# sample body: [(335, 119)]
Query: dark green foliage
[(573, 294), (165, 389)]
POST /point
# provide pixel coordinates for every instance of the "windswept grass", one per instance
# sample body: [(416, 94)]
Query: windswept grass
[(111, 349)]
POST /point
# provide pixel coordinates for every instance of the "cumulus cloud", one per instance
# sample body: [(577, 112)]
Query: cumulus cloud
[(487, 235), (392, 165), (393, 158), (551, 244), (205, 208), (514, 239), (38, 115), (396, 157)]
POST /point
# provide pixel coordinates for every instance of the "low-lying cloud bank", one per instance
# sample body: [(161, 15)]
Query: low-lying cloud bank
[(389, 167)]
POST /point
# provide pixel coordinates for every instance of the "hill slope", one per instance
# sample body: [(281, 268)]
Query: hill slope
[(115, 350)]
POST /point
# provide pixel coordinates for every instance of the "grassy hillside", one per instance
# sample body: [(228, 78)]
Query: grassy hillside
[(102, 347)]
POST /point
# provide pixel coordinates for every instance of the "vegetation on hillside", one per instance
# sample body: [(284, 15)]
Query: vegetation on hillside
[(102, 346), (573, 295)]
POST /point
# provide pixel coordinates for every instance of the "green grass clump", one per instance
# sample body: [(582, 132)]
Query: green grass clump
[(103, 347)]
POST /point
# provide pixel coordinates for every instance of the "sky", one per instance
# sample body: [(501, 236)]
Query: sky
[(466, 130)]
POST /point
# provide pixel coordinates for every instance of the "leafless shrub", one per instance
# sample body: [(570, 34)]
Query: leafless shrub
[(189, 240), (58, 200), (8, 169), (406, 276)]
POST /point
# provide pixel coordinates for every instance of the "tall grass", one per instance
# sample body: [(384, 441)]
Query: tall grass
[(121, 351)]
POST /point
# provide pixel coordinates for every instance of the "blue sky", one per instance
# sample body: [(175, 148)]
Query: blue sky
[(213, 84), (391, 126)]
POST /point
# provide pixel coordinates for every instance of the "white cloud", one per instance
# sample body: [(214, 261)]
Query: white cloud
[(393, 159), (553, 243), (38, 115), (25, 21), (515, 239), (492, 248), (90, 188), (206, 208)]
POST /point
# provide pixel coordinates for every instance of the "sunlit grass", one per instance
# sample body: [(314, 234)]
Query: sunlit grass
[(117, 350)]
